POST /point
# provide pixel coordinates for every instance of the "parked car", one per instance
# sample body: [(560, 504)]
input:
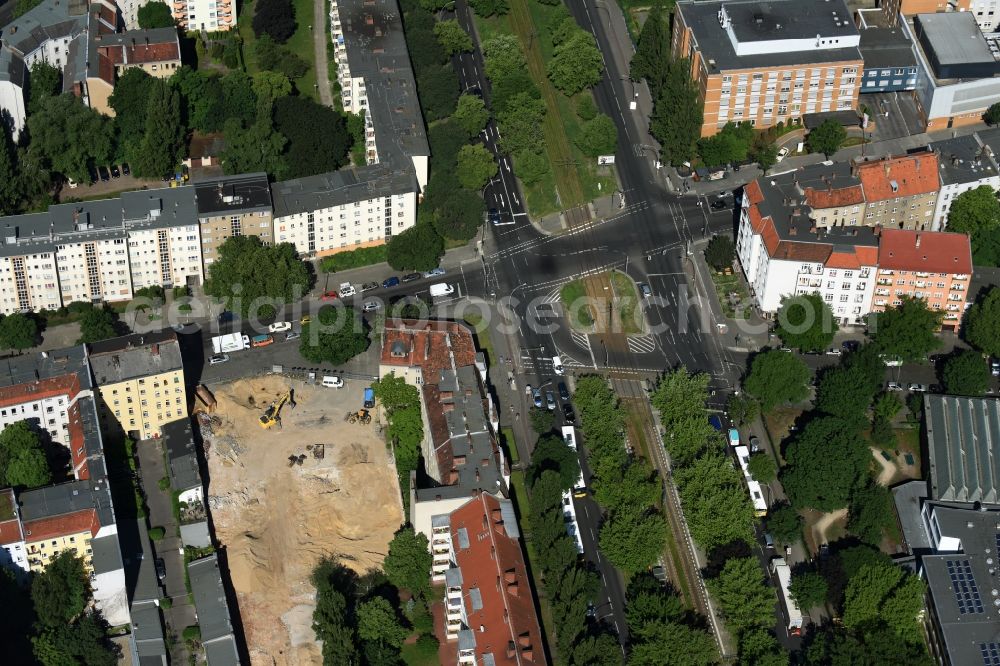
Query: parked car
[(718, 204), (125, 169), (368, 286), (305, 319), (782, 154), (347, 290), (329, 296), (279, 327), (410, 277), (161, 569), (103, 173), (115, 171), (645, 290), (568, 414), (894, 386), (995, 368), (292, 335), (850, 345), (550, 400), (563, 391), (217, 359), (434, 272), (537, 397), (754, 444), (917, 388), (330, 381), (833, 351), (390, 282), (370, 306)]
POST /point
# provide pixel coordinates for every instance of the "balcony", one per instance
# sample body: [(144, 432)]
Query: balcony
[(958, 287), (885, 282), (920, 284), (881, 292)]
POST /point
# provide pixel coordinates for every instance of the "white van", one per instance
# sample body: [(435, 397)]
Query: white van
[(441, 289), (330, 381)]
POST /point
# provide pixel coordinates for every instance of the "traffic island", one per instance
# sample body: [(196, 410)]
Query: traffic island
[(606, 302)]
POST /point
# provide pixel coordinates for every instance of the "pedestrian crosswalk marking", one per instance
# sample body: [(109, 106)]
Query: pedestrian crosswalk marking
[(641, 344)]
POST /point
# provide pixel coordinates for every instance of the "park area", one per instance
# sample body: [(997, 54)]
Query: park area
[(276, 519)]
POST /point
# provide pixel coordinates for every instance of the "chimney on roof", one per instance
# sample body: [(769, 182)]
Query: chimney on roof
[(511, 649), (793, 230), (917, 241), (524, 640), (512, 589), (453, 477), (885, 165), (812, 229), (497, 515), (877, 230)]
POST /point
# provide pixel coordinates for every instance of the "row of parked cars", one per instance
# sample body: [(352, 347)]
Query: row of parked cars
[(549, 401), (103, 174)]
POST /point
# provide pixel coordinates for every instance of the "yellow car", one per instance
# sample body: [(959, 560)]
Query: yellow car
[(305, 320)]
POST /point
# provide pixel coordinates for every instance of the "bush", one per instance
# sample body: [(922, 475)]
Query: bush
[(599, 136), (191, 633), (585, 107), (163, 483), (166, 602), (719, 252), (364, 256), (157, 533)]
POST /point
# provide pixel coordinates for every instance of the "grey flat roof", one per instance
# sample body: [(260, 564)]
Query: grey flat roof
[(134, 356), (955, 38), (799, 16), (245, 193), (213, 611), (376, 49), (66, 498), (96, 220), (963, 438), (339, 188), (106, 553), (908, 498), (963, 160), (147, 632), (182, 455), (45, 365), (885, 48)]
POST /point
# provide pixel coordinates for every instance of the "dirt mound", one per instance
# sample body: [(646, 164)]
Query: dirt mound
[(278, 520)]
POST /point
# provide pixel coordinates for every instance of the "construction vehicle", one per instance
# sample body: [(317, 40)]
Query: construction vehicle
[(272, 414), (361, 415)]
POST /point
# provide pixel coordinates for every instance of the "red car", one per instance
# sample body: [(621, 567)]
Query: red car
[(329, 296)]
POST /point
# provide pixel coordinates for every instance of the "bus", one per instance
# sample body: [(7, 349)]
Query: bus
[(756, 494), (569, 436)]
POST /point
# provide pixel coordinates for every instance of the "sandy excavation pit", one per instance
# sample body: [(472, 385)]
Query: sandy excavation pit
[(276, 522)]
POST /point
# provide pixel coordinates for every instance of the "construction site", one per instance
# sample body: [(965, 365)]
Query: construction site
[(297, 472)]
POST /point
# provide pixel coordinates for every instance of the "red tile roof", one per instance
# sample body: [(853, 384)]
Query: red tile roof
[(924, 251), (426, 345), (506, 625), (77, 443), (64, 525), (912, 174), (141, 53), (831, 198), (68, 385), (799, 251)]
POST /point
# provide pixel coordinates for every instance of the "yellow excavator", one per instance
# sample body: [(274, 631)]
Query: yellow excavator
[(272, 415)]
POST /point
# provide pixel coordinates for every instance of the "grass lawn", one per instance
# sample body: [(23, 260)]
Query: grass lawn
[(507, 435), (475, 320), (245, 28), (853, 141), (412, 656), (301, 43), (582, 317), (729, 284), (627, 301)]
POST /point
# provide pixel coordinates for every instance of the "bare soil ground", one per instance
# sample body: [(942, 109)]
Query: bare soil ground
[(276, 522)]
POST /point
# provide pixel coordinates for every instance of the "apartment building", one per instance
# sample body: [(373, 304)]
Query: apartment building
[(964, 163), (460, 447), (52, 391), (936, 267), (854, 268), (769, 62), (958, 77), (376, 79), (833, 192), (489, 606), (99, 251), (205, 15), (890, 64), (233, 206), (140, 381), (157, 52), (344, 210), (900, 192)]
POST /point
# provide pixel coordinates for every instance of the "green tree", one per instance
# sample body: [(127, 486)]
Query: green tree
[(992, 115), (268, 87), (453, 38), (22, 459), (575, 64), (59, 593), (652, 52), (418, 248), (248, 273), (907, 330), (785, 524), (521, 124), (633, 538), (886, 406), (162, 145), (201, 98), (394, 393), (274, 18), (677, 114), (44, 81), (277, 58), (377, 622), (827, 138), (742, 409), (599, 136), (636, 486), (808, 589), (720, 252), (408, 562), (982, 323), (130, 100), (476, 166), (487, 8), (155, 14), (439, 91), (729, 145), (99, 323), (776, 378), (331, 615), (238, 100), (871, 513), (762, 467), (471, 114), (552, 453), (826, 463), (18, 331), (974, 212), (83, 642), (503, 56), (460, 215), (743, 598), (335, 335), (318, 140), (847, 390), (542, 420), (759, 647), (885, 592), (806, 322), (255, 148), (715, 501), (965, 373), (70, 136), (674, 644)]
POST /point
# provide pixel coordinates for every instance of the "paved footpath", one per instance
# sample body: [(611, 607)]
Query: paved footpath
[(320, 56)]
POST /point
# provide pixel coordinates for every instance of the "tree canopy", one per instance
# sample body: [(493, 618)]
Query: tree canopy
[(335, 335), (99, 323), (60, 593), (743, 598), (18, 331), (652, 52), (162, 145), (453, 38), (871, 513), (982, 323), (677, 114), (826, 462), (155, 14), (719, 252), (974, 212), (576, 63), (808, 589), (599, 136), (408, 562), (785, 524), (476, 166), (71, 137), (471, 114), (552, 453), (22, 458), (827, 138), (418, 248), (776, 378), (249, 274), (806, 322), (966, 373), (318, 140), (906, 331), (258, 147), (274, 18)]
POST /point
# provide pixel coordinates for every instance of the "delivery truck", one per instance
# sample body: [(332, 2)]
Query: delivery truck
[(441, 289), (231, 342), (784, 573)]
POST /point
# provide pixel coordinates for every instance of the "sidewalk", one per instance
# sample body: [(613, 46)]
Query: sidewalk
[(320, 56)]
